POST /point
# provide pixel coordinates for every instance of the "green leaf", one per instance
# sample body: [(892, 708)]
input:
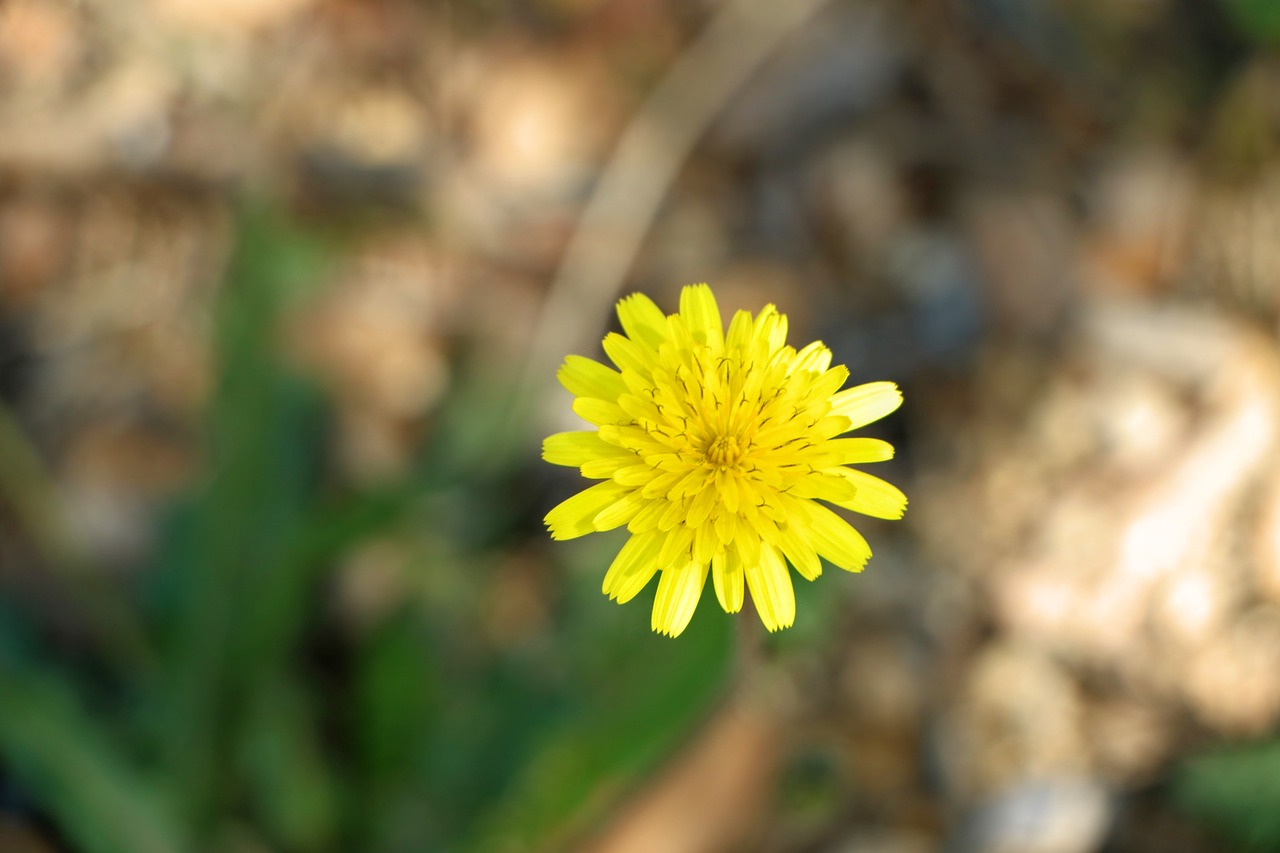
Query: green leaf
[(1236, 789)]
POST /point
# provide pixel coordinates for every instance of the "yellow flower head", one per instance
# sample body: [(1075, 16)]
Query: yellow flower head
[(714, 449)]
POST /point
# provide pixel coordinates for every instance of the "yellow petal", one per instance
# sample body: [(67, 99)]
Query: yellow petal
[(679, 334), (604, 467), (671, 515), (629, 355), (577, 448), (800, 552), (647, 518), (724, 528), (620, 511), (770, 329), (705, 543), (863, 404), (746, 540), (830, 426), (675, 548), (727, 486), (726, 573), (815, 357), (643, 321), (662, 483), (599, 412), (690, 483), (765, 525), (700, 312), (631, 437), (834, 539), (749, 493), (677, 598), (873, 496), (771, 589), (829, 382), (701, 507), (587, 378), (635, 475), (639, 408), (575, 517), (631, 569), (822, 486), (739, 336), (850, 451)]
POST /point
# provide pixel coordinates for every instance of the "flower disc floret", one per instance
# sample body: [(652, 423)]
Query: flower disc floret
[(714, 447)]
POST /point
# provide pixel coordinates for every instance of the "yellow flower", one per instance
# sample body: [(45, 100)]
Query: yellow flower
[(714, 449)]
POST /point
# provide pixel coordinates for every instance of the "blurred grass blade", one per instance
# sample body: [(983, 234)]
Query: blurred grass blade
[(291, 785), (72, 765), (1257, 19), (256, 494), (633, 716)]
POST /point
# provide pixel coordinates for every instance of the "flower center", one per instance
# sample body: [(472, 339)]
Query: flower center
[(724, 451)]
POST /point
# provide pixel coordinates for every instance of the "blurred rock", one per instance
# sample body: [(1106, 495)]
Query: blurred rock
[(1020, 717), (121, 121), (690, 241), (1266, 542), (41, 43), (933, 320), (1058, 815), (936, 275), (857, 187), (376, 337), (1025, 247), (35, 234), (540, 124), (135, 104), (1233, 682), (364, 146), (113, 479), (1142, 210), (881, 684), (1118, 525), (1235, 257), (1130, 739), (229, 16), (886, 841), (844, 61), (127, 323)]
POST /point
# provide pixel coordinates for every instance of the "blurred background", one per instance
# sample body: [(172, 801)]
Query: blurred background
[(283, 288)]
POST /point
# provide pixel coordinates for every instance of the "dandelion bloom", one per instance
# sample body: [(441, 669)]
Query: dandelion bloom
[(714, 449)]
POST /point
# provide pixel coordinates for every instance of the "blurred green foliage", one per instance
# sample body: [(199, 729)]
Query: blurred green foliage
[(1236, 789), (227, 709), (1258, 20)]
